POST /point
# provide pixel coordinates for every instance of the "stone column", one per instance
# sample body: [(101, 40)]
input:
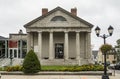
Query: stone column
[(51, 46), (88, 45), (28, 41), (32, 41), (77, 45), (40, 45), (66, 45)]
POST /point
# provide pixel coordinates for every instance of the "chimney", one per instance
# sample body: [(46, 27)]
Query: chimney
[(44, 11), (74, 11)]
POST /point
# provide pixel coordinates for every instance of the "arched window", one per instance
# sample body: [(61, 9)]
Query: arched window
[(58, 18)]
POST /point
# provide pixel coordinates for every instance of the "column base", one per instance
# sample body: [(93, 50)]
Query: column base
[(66, 59), (84, 61), (79, 61), (51, 58)]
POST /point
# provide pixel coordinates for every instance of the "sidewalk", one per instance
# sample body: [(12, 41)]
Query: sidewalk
[(55, 77)]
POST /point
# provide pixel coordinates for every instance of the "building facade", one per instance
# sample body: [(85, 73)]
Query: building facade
[(14, 47), (111, 57), (59, 37)]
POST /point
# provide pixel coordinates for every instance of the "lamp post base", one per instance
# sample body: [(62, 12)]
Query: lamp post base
[(105, 77)]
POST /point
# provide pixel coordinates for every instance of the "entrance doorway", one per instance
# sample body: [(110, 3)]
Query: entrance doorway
[(59, 51), (13, 52)]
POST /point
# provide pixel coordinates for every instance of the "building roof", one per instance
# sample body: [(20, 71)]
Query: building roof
[(3, 38), (54, 10)]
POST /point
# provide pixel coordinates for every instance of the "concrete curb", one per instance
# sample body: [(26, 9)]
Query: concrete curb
[(57, 73)]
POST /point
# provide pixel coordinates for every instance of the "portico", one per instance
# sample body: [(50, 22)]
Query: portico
[(44, 42)]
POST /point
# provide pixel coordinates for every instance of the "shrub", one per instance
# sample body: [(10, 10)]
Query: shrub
[(14, 68), (31, 63), (105, 48)]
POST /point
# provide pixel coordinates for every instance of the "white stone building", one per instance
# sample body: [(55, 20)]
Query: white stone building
[(59, 37)]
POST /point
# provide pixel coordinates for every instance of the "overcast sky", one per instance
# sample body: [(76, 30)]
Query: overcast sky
[(15, 13)]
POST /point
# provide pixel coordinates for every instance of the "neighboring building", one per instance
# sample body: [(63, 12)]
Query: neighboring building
[(58, 37), (111, 57), (17, 45), (100, 57), (14, 47)]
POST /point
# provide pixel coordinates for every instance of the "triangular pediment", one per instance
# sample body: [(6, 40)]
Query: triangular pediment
[(58, 17)]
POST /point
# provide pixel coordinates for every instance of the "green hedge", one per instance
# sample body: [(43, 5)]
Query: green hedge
[(62, 68), (73, 68), (14, 68)]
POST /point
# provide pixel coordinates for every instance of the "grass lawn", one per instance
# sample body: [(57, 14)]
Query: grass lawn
[(54, 68)]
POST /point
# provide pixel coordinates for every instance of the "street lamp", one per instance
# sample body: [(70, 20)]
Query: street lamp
[(20, 33), (104, 36)]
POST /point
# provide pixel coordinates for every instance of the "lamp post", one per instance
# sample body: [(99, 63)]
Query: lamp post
[(11, 57), (104, 36), (20, 33)]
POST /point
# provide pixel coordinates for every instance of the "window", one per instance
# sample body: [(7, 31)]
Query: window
[(24, 53), (11, 53), (58, 18), (22, 48), (2, 48), (15, 53)]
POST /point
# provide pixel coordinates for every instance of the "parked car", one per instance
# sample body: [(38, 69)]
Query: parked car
[(117, 66), (111, 66)]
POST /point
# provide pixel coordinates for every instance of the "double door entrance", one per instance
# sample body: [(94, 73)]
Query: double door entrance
[(59, 51), (13, 52)]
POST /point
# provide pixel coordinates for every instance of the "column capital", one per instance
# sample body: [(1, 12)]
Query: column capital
[(51, 31), (39, 31), (77, 31), (66, 31)]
